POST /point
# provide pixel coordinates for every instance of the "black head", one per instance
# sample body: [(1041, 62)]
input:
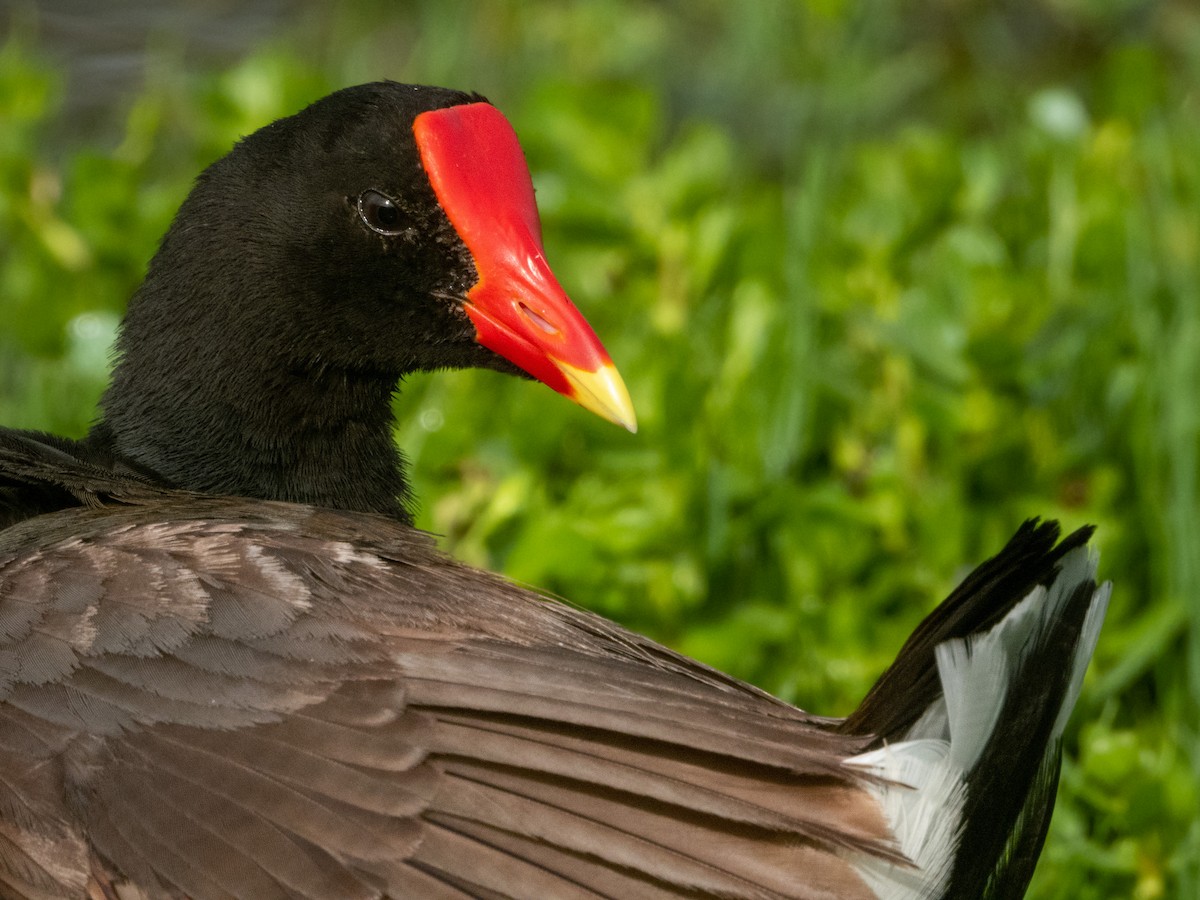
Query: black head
[(383, 230), (318, 241)]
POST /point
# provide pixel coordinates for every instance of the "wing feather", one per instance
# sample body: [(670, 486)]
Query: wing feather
[(332, 709)]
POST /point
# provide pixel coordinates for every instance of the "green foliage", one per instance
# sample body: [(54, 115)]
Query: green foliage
[(880, 287)]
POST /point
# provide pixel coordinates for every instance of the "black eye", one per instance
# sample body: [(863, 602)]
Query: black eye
[(380, 212)]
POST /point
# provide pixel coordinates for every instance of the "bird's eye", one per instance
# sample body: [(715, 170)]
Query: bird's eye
[(380, 213)]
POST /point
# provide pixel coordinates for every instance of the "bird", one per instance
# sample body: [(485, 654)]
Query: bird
[(230, 665)]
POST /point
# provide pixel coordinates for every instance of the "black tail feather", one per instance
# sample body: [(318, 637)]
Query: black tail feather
[(1010, 774), (910, 685), (1011, 792)]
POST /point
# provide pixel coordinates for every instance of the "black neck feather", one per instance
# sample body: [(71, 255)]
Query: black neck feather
[(218, 405)]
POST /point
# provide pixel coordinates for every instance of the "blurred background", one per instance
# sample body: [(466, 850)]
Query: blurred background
[(884, 279)]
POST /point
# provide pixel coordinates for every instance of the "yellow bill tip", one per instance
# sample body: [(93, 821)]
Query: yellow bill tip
[(602, 392)]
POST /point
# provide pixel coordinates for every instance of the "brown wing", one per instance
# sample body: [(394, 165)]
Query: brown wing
[(217, 699)]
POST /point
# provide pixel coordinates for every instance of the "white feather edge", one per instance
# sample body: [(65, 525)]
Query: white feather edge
[(924, 775)]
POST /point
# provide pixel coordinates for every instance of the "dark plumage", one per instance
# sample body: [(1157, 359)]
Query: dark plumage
[(229, 666), (298, 321)]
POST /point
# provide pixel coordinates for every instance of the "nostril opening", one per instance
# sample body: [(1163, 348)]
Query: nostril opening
[(538, 320)]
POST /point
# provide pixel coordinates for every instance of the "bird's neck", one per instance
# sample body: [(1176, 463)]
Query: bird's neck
[(252, 427)]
